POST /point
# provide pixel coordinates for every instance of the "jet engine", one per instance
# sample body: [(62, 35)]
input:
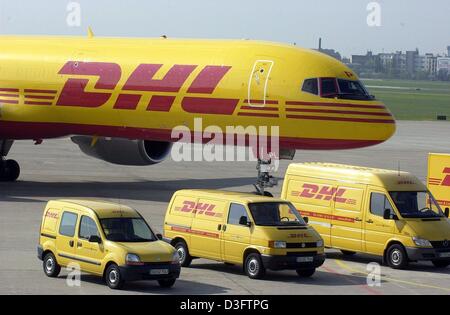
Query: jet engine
[(124, 151)]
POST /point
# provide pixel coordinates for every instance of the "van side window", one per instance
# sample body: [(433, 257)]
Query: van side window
[(87, 228), (68, 223), (236, 212), (379, 203)]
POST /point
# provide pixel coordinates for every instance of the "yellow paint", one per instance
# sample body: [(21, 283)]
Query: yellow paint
[(203, 220), (337, 198), (437, 182), (34, 63), (91, 256)]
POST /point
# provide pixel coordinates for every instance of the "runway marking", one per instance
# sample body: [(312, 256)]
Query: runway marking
[(351, 269)]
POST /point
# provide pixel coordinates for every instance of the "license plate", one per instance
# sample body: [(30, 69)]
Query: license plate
[(159, 271), (305, 259), (445, 255)]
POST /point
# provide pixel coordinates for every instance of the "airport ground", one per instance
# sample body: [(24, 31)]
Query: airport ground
[(57, 169)]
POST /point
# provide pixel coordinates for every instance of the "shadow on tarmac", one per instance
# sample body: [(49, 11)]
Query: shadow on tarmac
[(180, 287), (23, 191), (320, 277), (366, 259)]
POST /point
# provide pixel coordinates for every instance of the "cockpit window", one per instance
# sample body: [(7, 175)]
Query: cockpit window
[(311, 86), (328, 87), (352, 90)]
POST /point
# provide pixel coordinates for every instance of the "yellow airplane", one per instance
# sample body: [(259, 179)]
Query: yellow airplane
[(120, 98)]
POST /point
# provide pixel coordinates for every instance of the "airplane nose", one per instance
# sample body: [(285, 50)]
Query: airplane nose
[(391, 126)]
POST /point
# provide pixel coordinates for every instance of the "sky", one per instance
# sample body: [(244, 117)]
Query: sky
[(342, 24)]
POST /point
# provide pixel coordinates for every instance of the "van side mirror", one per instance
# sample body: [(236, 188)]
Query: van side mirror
[(95, 239), (159, 236), (306, 219), (244, 221), (387, 214), (447, 212)]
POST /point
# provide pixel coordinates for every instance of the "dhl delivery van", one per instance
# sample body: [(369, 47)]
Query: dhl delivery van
[(374, 211), (254, 231), (439, 178), (105, 239)]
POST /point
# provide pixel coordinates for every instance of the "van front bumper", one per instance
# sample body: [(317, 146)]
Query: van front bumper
[(135, 273), (416, 254), (290, 262)]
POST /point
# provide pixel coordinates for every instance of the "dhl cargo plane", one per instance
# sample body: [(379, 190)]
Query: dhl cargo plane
[(121, 98)]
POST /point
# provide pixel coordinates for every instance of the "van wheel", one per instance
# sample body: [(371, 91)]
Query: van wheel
[(51, 267), (396, 257), (113, 277), (254, 267), (305, 273), (183, 252), (166, 283), (347, 252), (441, 263)]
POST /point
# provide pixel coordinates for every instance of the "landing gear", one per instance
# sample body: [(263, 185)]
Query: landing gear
[(9, 169), (264, 180)]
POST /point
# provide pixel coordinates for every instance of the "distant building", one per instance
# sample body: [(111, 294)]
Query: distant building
[(448, 51), (411, 61), (443, 64), (329, 52)]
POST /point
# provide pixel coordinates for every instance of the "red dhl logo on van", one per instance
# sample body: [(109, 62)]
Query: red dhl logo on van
[(311, 191), (438, 181), (199, 208), (53, 215)]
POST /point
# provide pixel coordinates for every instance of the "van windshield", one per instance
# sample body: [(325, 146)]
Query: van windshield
[(416, 204), (275, 214), (127, 230)]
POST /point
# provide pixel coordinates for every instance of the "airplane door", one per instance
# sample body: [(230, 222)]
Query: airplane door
[(259, 82)]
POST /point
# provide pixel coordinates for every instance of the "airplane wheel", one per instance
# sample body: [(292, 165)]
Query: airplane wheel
[(9, 171)]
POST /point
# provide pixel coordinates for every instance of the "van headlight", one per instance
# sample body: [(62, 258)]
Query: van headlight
[(176, 258), (277, 244), (319, 243), (133, 259), (421, 242)]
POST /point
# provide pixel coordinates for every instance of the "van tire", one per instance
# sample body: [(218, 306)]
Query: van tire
[(50, 265), (166, 283), (305, 273), (441, 263), (183, 251), (396, 257), (113, 277), (254, 267), (347, 252)]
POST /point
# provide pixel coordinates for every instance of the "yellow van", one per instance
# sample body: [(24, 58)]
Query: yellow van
[(105, 239), (374, 211), (236, 228)]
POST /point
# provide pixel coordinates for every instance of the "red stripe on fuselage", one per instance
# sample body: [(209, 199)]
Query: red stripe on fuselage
[(334, 104), (32, 130), (217, 106), (350, 112), (362, 120)]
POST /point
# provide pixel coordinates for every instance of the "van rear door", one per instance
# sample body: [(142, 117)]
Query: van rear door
[(347, 217)]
